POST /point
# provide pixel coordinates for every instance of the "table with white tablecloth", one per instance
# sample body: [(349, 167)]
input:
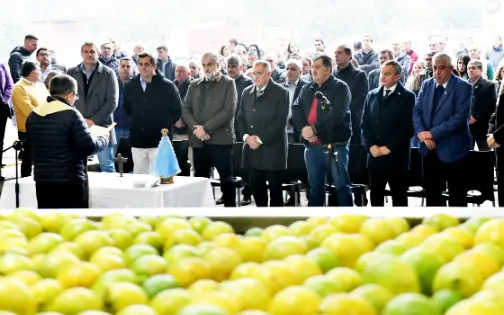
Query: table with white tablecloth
[(109, 190)]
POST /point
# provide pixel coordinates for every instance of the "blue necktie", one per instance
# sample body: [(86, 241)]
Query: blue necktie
[(438, 93)]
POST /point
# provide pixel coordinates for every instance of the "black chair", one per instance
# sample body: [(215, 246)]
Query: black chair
[(181, 148), (480, 177), (237, 169), (296, 175), (415, 176)]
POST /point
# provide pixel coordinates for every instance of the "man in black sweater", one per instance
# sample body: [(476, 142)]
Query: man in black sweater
[(152, 103), (235, 68), (61, 143), (357, 82)]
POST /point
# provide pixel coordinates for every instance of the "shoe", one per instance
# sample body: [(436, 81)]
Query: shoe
[(245, 201), (220, 201)]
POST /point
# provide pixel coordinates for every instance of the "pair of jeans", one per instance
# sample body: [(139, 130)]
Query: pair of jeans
[(106, 159), (120, 133), (316, 159)]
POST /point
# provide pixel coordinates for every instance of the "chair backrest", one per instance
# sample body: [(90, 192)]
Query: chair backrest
[(238, 170), (480, 173), (296, 166), (415, 172)]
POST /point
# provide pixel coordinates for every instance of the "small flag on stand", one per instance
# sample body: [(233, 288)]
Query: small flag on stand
[(166, 165)]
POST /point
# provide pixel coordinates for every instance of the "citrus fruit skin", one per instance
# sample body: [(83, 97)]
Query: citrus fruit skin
[(426, 264), (445, 299), (441, 221), (295, 300), (491, 232), (411, 303), (378, 296), (341, 303), (386, 272), (458, 277)]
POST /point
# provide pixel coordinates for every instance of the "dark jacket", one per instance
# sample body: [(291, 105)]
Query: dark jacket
[(357, 82), (112, 63), (333, 123), (374, 79), (389, 122), (265, 117), (485, 99), (120, 117), (278, 75), (182, 88), (367, 62), (242, 82), (211, 104), (299, 86), (17, 57), (150, 111), (168, 70), (61, 142), (499, 123), (100, 101)]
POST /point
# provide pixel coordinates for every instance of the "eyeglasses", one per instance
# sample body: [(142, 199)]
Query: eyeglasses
[(76, 95)]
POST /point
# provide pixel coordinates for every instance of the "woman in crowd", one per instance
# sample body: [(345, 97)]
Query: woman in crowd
[(462, 66), (224, 51), (416, 78)]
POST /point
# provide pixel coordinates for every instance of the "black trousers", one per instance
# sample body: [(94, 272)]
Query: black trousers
[(499, 152), (27, 155), (482, 143), (68, 195), (437, 174), (220, 157), (3, 124), (398, 183), (259, 188)]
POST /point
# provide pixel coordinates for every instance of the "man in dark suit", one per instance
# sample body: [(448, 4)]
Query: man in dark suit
[(387, 127), (440, 118), (323, 122), (181, 147), (99, 97), (357, 82), (261, 121), (208, 111), (485, 98), (293, 83), (235, 67)]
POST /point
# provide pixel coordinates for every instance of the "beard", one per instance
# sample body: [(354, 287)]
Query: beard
[(211, 75)]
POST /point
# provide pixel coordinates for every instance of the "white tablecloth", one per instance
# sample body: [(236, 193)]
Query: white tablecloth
[(109, 190)]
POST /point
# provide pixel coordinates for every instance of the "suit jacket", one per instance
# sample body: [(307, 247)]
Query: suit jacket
[(265, 117), (101, 100), (299, 86), (389, 122), (212, 105), (357, 82), (499, 117), (449, 123), (485, 98)]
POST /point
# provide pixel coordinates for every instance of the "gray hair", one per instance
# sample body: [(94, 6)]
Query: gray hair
[(235, 60), (395, 64), (49, 76), (295, 62), (442, 56), (263, 63), (184, 65), (62, 85), (477, 63), (212, 55)]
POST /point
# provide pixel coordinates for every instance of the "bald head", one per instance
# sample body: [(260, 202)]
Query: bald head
[(182, 73)]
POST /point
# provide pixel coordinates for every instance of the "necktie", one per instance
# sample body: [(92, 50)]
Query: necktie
[(387, 93), (259, 93), (438, 93)]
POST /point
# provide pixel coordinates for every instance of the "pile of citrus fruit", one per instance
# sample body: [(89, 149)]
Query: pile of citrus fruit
[(58, 263)]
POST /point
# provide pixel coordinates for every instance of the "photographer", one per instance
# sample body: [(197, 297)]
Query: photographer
[(61, 143), (322, 113)]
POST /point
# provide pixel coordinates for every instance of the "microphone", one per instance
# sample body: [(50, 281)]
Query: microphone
[(322, 99)]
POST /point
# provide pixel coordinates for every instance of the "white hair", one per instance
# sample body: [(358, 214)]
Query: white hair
[(442, 56), (263, 63), (295, 62)]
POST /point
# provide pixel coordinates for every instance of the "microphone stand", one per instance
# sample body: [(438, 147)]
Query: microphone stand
[(17, 146), (332, 155)]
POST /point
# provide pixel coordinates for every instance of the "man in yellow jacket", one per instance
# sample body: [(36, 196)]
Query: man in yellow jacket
[(27, 94)]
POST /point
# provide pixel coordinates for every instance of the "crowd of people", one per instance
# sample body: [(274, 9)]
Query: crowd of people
[(357, 109)]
